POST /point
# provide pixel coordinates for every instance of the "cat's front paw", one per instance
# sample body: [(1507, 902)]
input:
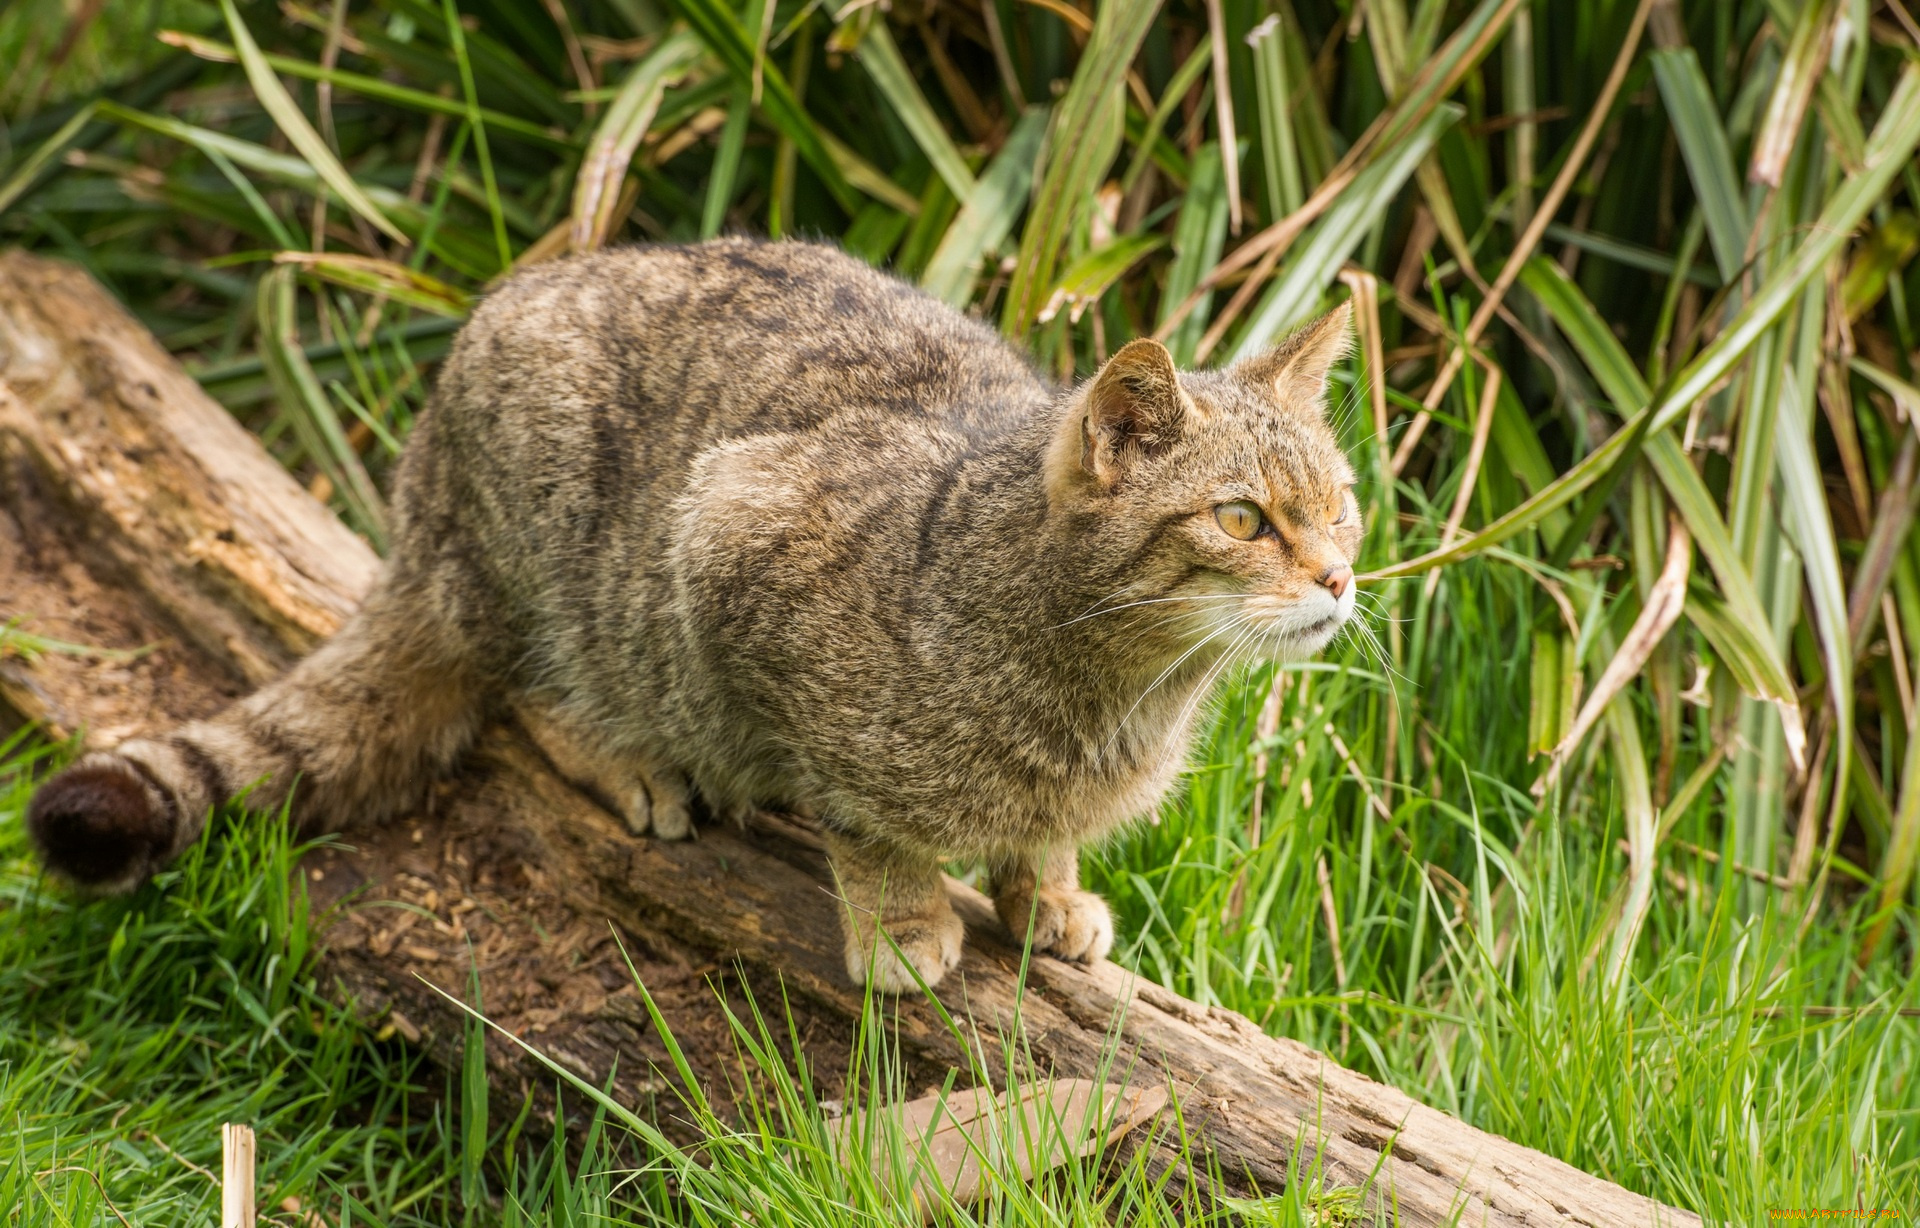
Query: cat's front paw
[(668, 818), (1065, 922), (661, 804), (928, 945)]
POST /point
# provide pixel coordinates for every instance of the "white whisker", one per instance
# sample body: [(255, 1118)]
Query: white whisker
[(1233, 626), (1226, 661), (1149, 601)]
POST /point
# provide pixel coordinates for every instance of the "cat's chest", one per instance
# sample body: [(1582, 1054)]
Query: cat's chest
[(1094, 788)]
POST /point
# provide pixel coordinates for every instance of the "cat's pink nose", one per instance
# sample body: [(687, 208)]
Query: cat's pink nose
[(1336, 578)]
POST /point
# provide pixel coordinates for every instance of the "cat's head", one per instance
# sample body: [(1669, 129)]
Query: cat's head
[(1219, 501)]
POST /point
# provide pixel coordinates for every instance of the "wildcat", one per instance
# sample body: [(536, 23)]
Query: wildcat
[(755, 524)]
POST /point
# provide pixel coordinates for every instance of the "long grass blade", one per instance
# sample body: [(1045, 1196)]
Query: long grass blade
[(726, 162), (477, 124), (720, 28), (1083, 142), (881, 58), (610, 153), (305, 403), (291, 121), (1705, 150), (989, 215), (373, 88), (1177, 89), (23, 177)]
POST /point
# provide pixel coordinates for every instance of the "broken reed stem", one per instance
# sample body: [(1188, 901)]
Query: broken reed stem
[(1529, 238), (1223, 112), (1778, 881), (1332, 915), (1366, 321), (236, 1176), (1276, 237), (1264, 730), (98, 1184), (1476, 453)]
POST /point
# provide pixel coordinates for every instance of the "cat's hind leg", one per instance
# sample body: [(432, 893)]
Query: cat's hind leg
[(899, 926), (652, 797), (1038, 892)]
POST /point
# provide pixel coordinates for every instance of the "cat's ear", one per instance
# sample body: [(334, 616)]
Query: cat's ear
[(1295, 371), (1134, 407)]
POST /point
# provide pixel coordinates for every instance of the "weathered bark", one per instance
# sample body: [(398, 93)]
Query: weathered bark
[(134, 511)]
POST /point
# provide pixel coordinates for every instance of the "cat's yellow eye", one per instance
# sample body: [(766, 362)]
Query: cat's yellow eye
[(1239, 520), (1340, 517)]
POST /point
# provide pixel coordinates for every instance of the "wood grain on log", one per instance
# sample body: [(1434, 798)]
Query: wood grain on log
[(135, 511)]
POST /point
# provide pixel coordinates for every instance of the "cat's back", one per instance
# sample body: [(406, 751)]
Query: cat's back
[(585, 395), (689, 345)]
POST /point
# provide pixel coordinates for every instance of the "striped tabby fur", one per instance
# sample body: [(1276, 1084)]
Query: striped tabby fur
[(747, 524)]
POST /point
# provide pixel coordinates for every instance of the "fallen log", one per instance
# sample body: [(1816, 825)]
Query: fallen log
[(134, 511)]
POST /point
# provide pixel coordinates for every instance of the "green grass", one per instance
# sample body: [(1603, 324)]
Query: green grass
[(133, 1028), (1734, 1070), (1680, 952)]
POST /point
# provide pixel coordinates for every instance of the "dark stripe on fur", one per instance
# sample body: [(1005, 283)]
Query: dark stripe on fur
[(276, 743), (167, 798), (213, 777)]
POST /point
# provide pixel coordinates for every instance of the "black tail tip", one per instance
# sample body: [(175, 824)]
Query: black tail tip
[(98, 825)]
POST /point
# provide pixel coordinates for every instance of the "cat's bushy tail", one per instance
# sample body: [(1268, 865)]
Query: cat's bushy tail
[(362, 725)]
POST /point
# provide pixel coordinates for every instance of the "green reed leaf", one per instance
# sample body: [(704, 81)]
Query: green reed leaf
[(1903, 848), (1581, 324), (1891, 143), (1094, 274), (989, 215), (610, 151), (881, 58), (284, 168), (865, 176), (1809, 523), (1906, 396), (1198, 236), (371, 275), (1177, 87), (1706, 151), (293, 123), (1801, 68), (1295, 295), (1081, 148), (720, 28), (1279, 159), (1470, 41), (373, 88)]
